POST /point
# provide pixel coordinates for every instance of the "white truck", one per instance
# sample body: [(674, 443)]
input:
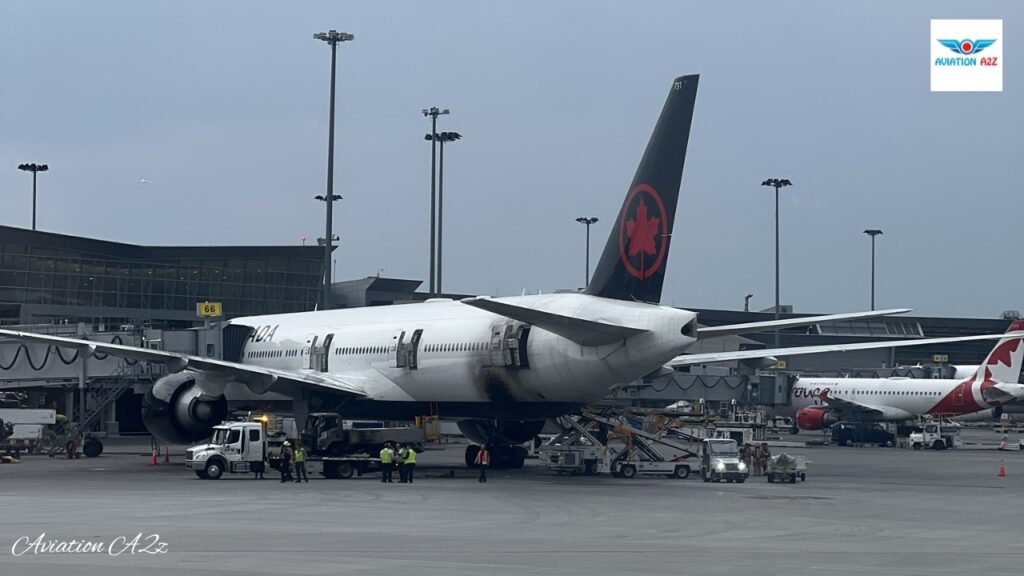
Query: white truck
[(244, 447), (235, 447), (936, 436), (22, 429), (720, 460)]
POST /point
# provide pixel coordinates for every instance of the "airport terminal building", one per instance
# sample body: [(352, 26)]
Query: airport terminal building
[(48, 278)]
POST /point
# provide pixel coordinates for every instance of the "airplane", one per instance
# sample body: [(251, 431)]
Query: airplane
[(499, 366), (818, 403)]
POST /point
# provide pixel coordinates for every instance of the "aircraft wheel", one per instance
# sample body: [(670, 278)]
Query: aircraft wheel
[(471, 451), (92, 448)]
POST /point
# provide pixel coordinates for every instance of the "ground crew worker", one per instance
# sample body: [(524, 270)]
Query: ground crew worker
[(300, 464), (286, 461), (765, 455), (755, 461), (483, 460), (402, 453), (387, 463), (410, 462)]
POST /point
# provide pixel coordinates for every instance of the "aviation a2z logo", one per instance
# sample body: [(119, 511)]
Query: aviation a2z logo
[(643, 232)]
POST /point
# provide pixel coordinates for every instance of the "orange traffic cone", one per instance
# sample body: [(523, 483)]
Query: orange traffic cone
[(167, 455), (152, 461), (1002, 469)]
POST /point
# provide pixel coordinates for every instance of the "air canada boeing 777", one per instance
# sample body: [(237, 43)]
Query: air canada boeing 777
[(500, 366)]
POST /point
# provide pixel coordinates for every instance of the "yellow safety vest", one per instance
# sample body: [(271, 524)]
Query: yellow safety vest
[(386, 455), (410, 456), (300, 456)]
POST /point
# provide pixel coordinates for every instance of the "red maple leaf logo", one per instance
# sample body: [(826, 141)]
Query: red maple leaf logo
[(641, 232), (1002, 353)]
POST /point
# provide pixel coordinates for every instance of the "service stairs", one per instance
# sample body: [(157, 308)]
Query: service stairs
[(103, 394)]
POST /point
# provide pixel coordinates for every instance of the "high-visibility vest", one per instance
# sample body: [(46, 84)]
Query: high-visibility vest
[(410, 456), (386, 455), (300, 456), (483, 458)]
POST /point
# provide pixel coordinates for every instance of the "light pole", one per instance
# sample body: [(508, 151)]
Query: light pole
[(333, 38), (587, 222), (873, 233), (777, 183), (746, 302), (433, 112), (442, 138), (34, 169)]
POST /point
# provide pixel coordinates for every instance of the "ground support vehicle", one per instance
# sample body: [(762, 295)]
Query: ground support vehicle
[(340, 452), (860, 433), (23, 429), (936, 436), (720, 460), (783, 467), (606, 442), (234, 448)]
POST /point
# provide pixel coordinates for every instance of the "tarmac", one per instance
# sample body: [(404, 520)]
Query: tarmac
[(867, 510)]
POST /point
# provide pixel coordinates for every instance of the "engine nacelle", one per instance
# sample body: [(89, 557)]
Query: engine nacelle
[(815, 419), (501, 431), (177, 411)]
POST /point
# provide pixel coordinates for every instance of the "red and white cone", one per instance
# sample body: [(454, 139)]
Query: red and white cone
[(152, 461)]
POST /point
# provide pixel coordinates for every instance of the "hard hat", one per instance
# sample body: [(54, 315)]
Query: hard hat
[(287, 443)]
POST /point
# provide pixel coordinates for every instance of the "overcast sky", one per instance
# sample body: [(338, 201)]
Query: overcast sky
[(223, 107)]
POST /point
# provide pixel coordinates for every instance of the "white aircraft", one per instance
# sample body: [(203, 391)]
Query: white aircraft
[(500, 366), (818, 403)]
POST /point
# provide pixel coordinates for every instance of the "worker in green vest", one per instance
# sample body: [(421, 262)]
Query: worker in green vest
[(410, 462), (299, 454), (387, 459)]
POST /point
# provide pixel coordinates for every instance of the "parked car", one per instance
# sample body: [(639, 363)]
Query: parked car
[(852, 433)]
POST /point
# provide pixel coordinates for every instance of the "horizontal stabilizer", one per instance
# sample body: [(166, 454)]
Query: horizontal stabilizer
[(752, 327), (580, 331), (715, 357)]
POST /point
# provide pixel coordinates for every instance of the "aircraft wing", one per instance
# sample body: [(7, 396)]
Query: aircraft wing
[(258, 378), (715, 357), (749, 327)]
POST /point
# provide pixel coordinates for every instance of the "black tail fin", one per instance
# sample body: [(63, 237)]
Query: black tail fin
[(632, 266)]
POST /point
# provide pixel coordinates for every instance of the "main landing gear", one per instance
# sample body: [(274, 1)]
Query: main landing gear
[(503, 456)]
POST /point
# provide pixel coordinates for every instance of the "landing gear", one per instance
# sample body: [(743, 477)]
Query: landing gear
[(503, 456)]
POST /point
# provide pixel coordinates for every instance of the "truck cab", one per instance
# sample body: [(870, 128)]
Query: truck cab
[(720, 460), (236, 447), (936, 436)]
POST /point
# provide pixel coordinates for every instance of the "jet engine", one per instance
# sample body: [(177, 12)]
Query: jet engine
[(815, 419), (177, 411), (503, 439)]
